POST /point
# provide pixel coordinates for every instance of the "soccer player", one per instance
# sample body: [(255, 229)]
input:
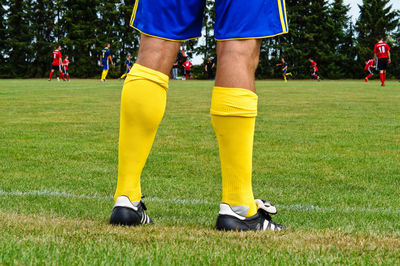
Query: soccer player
[(284, 69), (314, 68), (368, 69), (233, 104), (65, 64), (187, 65), (57, 62), (382, 55), (105, 59), (127, 66), (209, 68)]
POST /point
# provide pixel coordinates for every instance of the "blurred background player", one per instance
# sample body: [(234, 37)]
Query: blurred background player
[(105, 59), (368, 69), (57, 62), (175, 68), (127, 66), (314, 68), (65, 64), (209, 67), (382, 55), (188, 66), (284, 69)]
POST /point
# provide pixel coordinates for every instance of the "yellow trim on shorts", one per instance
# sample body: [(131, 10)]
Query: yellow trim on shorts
[(284, 10), (285, 27), (251, 38), (134, 12), (154, 36), (244, 38), (162, 38), (281, 14)]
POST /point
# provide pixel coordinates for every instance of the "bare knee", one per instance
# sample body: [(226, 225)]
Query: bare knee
[(157, 54), (240, 52), (237, 62)]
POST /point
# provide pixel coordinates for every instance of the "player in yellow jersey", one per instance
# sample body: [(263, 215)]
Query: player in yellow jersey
[(105, 59), (127, 66), (238, 31)]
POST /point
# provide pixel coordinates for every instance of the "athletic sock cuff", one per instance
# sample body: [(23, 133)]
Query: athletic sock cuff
[(233, 102), (142, 72)]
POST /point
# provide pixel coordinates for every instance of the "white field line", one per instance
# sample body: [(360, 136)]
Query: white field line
[(295, 207)]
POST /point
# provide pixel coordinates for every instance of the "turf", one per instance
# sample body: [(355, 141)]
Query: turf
[(326, 153)]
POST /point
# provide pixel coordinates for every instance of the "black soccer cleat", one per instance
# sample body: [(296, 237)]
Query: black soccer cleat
[(129, 213), (228, 220)]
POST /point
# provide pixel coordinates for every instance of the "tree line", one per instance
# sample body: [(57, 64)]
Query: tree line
[(320, 29)]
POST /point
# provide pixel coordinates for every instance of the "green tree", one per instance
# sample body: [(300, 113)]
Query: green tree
[(376, 18), (80, 36), (395, 52), (42, 24), (3, 36), (206, 46), (19, 38), (339, 27), (128, 38)]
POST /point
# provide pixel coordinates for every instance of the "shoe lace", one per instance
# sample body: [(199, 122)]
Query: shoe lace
[(266, 206), (143, 205)]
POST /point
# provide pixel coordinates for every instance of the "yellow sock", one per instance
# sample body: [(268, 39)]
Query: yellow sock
[(284, 77), (123, 76), (143, 101), (233, 115), (104, 74)]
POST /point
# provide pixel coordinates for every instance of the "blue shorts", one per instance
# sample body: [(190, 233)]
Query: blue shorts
[(180, 20), (284, 71), (105, 66)]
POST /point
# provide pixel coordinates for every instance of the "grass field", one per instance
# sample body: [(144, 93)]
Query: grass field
[(328, 155)]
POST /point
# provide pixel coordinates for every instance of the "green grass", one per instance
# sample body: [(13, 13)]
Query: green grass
[(328, 155)]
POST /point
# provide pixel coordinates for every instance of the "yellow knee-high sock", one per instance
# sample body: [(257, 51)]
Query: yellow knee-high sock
[(284, 78), (104, 74), (143, 101), (123, 76), (233, 115)]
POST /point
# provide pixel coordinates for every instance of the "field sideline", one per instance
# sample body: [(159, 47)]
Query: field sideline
[(327, 154)]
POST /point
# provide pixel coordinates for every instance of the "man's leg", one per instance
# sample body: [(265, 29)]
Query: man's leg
[(62, 75), (104, 74), (381, 75), (384, 76), (143, 103), (233, 114), (51, 74)]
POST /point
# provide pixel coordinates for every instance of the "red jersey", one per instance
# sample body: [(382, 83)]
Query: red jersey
[(369, 64), (187, 65), (381, 50), (66, 63), (56, 57), (314, 66)]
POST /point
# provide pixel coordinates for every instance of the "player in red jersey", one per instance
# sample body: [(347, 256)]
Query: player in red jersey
[(187, 66), (382, 54), (65, 65), (57, 62), (315, 69), (368, 69)]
